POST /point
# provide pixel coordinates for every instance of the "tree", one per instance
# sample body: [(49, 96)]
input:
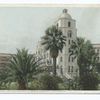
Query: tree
[(86, 60), (54, 41), (4, 79), (22, 67)]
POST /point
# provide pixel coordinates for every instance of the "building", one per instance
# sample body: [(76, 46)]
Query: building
[(4, 59), (97, 50), (66, 65), (68, 26), (44, 55)]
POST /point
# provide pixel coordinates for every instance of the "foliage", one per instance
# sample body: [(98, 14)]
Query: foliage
[(50, 82), (54, 41), (86, 60), (22, 67), (73, 84), (4, 77), (98, 68), (35, 85), (90, 81)]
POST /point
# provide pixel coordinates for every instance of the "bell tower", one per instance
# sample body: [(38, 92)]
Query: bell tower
[(67, 66)]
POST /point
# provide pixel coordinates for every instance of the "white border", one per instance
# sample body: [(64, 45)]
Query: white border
[(45, 91), (52, 1)]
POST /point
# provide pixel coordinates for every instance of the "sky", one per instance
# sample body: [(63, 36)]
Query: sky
[(22, 27)]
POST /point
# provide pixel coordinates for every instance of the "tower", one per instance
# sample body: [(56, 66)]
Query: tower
[(67, 66)]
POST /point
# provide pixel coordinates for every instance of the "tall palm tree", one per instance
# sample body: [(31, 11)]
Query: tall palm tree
[(22, 67), (54, 41), (84, 52), (76, 50), (86, 57)]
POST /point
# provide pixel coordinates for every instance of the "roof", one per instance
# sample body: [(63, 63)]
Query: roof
[(65, 14), (97, 45)]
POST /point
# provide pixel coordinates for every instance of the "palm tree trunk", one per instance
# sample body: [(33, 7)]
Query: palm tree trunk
[(54, 66), (22, 85)]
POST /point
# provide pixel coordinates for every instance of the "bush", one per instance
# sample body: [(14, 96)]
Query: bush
[(35, 85), (90, 81), (50, 82), (12, 86), (63, 86)]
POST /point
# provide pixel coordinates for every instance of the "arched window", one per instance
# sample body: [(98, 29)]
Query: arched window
[(69, 24)]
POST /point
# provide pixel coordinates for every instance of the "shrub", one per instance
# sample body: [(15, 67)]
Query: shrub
[(50, 82), (63, 86), (35, 85)]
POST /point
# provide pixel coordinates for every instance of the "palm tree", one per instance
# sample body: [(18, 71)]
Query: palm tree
[(86, 58), (54, 41), (76, 50), (22, 67)]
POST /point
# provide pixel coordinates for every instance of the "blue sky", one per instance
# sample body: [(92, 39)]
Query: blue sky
[(23, 26)]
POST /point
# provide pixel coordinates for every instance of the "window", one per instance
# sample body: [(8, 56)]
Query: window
[(72, 59), (70, 33), (76, 70), (69, 24), (44, 56), (68, 41), (97, 58), (72, 69), (72, 41), (69, 58), (61, 70), (39, 52), (50, 61), (97, 50), (47, 61), (61, 59), (47, 55), (69, 50), (57, 25), (68, 68)]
